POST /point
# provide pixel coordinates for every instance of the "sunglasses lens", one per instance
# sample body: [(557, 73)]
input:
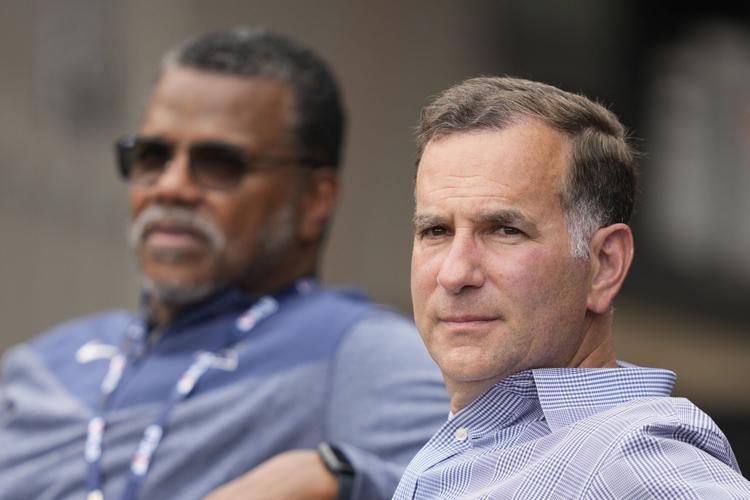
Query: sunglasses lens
[(212, 165), (217, 166), (145, 160)]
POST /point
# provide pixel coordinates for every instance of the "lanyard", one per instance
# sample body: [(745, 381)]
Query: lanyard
[(262, 309)]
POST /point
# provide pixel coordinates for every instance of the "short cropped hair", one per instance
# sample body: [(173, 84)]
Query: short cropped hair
[(602, 181), (317, 126)]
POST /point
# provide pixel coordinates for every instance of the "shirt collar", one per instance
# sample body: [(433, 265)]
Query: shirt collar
[(561, 396), (568, 395), (511, 401)]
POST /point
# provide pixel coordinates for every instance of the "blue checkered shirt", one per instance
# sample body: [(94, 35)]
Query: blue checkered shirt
[(577, 433)]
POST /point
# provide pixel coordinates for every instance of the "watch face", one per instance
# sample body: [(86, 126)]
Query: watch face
[(335, 459), (343, 461)]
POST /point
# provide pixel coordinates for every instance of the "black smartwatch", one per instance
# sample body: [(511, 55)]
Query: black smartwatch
[(339, 465)]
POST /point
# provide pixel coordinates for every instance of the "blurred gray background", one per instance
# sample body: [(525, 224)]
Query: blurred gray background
[(76, 74)]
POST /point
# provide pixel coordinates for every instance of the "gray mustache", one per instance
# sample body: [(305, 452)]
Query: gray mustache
[(175, 216)]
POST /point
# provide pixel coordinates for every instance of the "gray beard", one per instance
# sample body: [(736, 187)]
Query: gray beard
[(178, 294), (275, 239)]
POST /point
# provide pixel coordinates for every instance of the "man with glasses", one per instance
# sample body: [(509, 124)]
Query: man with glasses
[(238, 361)]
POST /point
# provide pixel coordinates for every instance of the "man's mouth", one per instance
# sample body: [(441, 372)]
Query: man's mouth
[(467, 320), (178, 238)]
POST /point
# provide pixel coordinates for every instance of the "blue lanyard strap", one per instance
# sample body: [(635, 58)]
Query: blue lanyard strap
[(152, 435), (142, 458)]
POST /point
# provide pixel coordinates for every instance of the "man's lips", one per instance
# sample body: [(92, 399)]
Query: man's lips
[(467, 320), (172, 236)]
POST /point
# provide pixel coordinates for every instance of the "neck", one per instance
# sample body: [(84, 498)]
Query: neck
[(163, 311), (462, 395), (162, 314), (597, 348)]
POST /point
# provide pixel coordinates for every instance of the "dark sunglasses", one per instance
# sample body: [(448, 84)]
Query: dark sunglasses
[(213, 164)]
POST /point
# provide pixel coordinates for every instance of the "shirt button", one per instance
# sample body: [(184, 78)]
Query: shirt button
[(462, 433)]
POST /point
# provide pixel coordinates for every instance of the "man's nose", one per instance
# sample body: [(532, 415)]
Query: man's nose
[(462, 267), (176, 183)]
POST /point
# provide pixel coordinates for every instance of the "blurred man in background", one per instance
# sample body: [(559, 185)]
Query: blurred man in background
[(238, 361), (521, 244)]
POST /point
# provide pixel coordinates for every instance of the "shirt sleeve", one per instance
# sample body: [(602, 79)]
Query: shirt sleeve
[(671, 461), (387, 399)]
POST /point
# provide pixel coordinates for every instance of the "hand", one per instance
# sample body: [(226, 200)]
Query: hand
[(292, 475)]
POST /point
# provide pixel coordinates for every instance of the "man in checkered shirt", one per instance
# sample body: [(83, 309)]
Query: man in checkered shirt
[(521, 243)]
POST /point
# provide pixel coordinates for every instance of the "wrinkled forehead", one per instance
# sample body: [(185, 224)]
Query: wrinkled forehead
[(526, 160)]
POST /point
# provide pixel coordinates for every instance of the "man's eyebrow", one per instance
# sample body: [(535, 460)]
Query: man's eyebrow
[(427, 220), (507, 217), (503, 217)]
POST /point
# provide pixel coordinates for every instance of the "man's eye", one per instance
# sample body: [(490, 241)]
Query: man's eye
[(434, 232), (508, 231)]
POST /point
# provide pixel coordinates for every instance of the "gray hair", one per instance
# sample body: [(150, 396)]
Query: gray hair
[(318, 124), (601, 185)]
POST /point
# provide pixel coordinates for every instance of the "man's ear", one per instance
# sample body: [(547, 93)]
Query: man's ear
[(317, 203), (611, 255)]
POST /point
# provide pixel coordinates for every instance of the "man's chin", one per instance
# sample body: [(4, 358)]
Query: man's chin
[(178, 294), (168, 256), (470, 365)]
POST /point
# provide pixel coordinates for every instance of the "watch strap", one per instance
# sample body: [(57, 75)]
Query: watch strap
[(336, 462)]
